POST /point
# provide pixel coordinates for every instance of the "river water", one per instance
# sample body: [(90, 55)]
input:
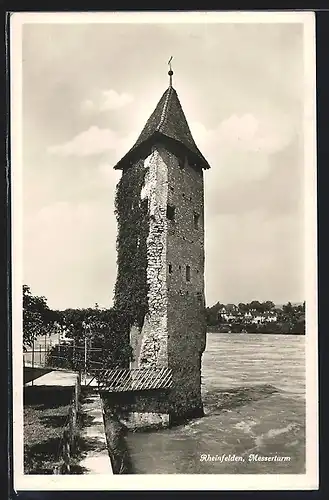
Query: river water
[(254, 399)]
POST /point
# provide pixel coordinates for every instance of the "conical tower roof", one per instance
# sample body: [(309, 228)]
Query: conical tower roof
[(166, 124)]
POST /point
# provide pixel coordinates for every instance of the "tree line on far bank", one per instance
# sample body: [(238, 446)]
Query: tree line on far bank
[(104, 327), (257, 317)]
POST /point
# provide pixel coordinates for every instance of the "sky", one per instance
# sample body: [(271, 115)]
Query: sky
[(87, 92)]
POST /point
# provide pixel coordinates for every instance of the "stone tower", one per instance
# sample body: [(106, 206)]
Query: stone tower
[(171, 332)]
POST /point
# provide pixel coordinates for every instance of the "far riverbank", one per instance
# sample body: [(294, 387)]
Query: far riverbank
[(253, 332)]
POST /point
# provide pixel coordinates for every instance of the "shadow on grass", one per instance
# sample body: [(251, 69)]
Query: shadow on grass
[(85, 420), (55, 421), (78, 469), (228, 399), (41, 458), (47, 397), (88, 444)]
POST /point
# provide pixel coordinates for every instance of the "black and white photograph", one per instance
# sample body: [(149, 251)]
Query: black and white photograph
[(164, 250)]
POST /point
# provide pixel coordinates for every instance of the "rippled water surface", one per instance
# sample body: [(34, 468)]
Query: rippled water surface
[(254, 398)]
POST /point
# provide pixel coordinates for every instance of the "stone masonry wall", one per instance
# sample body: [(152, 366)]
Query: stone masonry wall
[(186, 303), (142, 410), (174, 330), (151, 348)]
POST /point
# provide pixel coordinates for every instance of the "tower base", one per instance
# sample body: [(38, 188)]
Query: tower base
[(148, 410)]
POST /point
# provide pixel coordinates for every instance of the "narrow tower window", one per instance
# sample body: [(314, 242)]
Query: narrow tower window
[(196, 220), (170, 268), (188, 273), (170, 212), (144, 205)]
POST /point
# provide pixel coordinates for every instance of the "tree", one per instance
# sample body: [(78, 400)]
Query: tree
[(74, 321), (256, 305), (108, 330), (107, 333), (268, 305), (287, 307), (37, 317), (213, 314)]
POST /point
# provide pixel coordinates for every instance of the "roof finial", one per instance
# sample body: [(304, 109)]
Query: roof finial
[(170, 72)]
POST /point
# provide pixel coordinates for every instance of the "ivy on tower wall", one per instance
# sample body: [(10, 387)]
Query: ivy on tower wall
[(131, 286)]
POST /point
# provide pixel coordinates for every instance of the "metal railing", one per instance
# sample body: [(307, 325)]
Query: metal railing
[(88, 361), (81, 357)]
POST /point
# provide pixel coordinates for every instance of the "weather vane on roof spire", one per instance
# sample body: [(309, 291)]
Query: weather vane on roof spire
[(170, 72)]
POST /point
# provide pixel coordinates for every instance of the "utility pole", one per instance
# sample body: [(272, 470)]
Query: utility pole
[(85, 357), (32, 360), (85, 350)]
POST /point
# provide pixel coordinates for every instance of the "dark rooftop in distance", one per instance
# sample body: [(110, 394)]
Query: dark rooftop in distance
[(167, 123)]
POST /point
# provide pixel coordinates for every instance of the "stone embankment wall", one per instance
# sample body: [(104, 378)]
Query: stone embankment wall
[(139, 410), (115, 431)]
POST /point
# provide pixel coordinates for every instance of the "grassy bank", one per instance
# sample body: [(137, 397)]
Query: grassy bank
[(45, 416), (48, 425)]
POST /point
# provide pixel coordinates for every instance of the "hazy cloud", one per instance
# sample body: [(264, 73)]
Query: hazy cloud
[(93, 141), (269, 251), (90, 142), (239, 147), (107, 100), (58, 231)]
